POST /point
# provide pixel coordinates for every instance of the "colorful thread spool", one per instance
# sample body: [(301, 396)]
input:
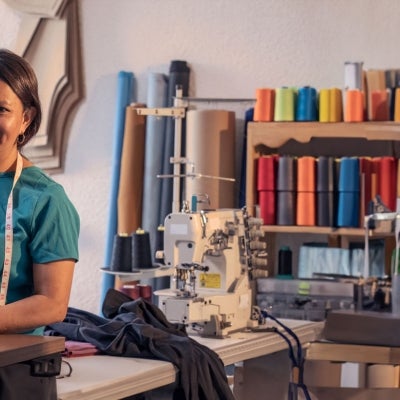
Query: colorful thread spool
[(306, 104), (396, 116), (305, 214), (387, 180), (266, 176), (326, 177), (324, 102), (354, 107), (284, 104), (349, 192), (353, 75), (285, 261), (286, 186), (264, 106), (330, 105), (335, 105), (380, 110)]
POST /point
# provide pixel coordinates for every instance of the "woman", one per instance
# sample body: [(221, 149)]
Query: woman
[(41, 249)]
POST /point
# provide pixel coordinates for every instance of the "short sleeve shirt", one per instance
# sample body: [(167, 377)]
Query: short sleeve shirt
[(45, 227)]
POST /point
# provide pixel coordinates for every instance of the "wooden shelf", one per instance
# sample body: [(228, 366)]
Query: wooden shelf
[(353, 353), (322, 230), (275, 134), (275, 137)]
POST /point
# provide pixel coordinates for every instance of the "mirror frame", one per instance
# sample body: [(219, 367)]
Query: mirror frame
[(62, 90)]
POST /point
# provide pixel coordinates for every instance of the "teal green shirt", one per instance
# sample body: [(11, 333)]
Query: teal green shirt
[(45, 223)]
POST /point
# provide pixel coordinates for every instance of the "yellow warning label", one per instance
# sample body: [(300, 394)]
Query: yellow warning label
[(210, 281)]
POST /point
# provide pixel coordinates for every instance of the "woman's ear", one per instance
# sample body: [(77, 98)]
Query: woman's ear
[(29, 115)]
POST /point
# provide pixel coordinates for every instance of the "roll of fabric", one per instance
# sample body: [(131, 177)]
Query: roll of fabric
[(157, 85), (210, 145), (124, 98), (179, 73), (131, 175)]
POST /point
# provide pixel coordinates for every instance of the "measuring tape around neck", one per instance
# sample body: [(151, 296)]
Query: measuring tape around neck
[(8, 240)]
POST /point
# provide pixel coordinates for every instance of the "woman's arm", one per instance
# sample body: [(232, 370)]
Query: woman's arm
[(49, 303)]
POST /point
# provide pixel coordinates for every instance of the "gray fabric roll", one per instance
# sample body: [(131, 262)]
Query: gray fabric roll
[(154, 150)]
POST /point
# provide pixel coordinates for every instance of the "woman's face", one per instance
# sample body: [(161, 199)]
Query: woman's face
[(13, 119)]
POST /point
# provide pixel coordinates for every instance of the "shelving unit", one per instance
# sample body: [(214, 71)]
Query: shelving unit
[(274, 135)]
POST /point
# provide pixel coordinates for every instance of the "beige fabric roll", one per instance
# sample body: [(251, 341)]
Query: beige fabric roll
[(131, 175), (210, 145)]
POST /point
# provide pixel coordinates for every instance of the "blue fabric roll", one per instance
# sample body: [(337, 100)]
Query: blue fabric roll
[(124, 98), (157, 84), (178, 75)]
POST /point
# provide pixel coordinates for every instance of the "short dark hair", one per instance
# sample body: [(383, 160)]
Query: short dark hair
[(17, 73)]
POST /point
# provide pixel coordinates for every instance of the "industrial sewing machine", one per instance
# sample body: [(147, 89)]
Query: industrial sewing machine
[(215, 254)]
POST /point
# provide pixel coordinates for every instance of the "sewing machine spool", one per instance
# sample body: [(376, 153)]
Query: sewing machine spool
[(141, 253), (121, 253)]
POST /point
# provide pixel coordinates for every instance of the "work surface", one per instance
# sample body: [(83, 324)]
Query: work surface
[(108, 378), (242, 346), (19, 348)]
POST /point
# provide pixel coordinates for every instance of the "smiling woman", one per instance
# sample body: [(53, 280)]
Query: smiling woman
[(49, 31), (39, 226)]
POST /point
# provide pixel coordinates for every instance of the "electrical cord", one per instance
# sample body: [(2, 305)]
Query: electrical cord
[(297, 362)]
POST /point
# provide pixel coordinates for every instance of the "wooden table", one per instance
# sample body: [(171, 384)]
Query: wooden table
[(23, 358), (110, 378), (19, 348)]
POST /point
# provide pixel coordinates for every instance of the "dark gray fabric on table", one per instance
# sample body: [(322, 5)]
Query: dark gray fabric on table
[(137, 328)]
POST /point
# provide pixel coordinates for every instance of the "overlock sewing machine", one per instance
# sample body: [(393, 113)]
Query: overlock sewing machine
[(214, 255)]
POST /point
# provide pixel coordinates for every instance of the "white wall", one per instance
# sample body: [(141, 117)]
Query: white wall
[(233, 47)]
